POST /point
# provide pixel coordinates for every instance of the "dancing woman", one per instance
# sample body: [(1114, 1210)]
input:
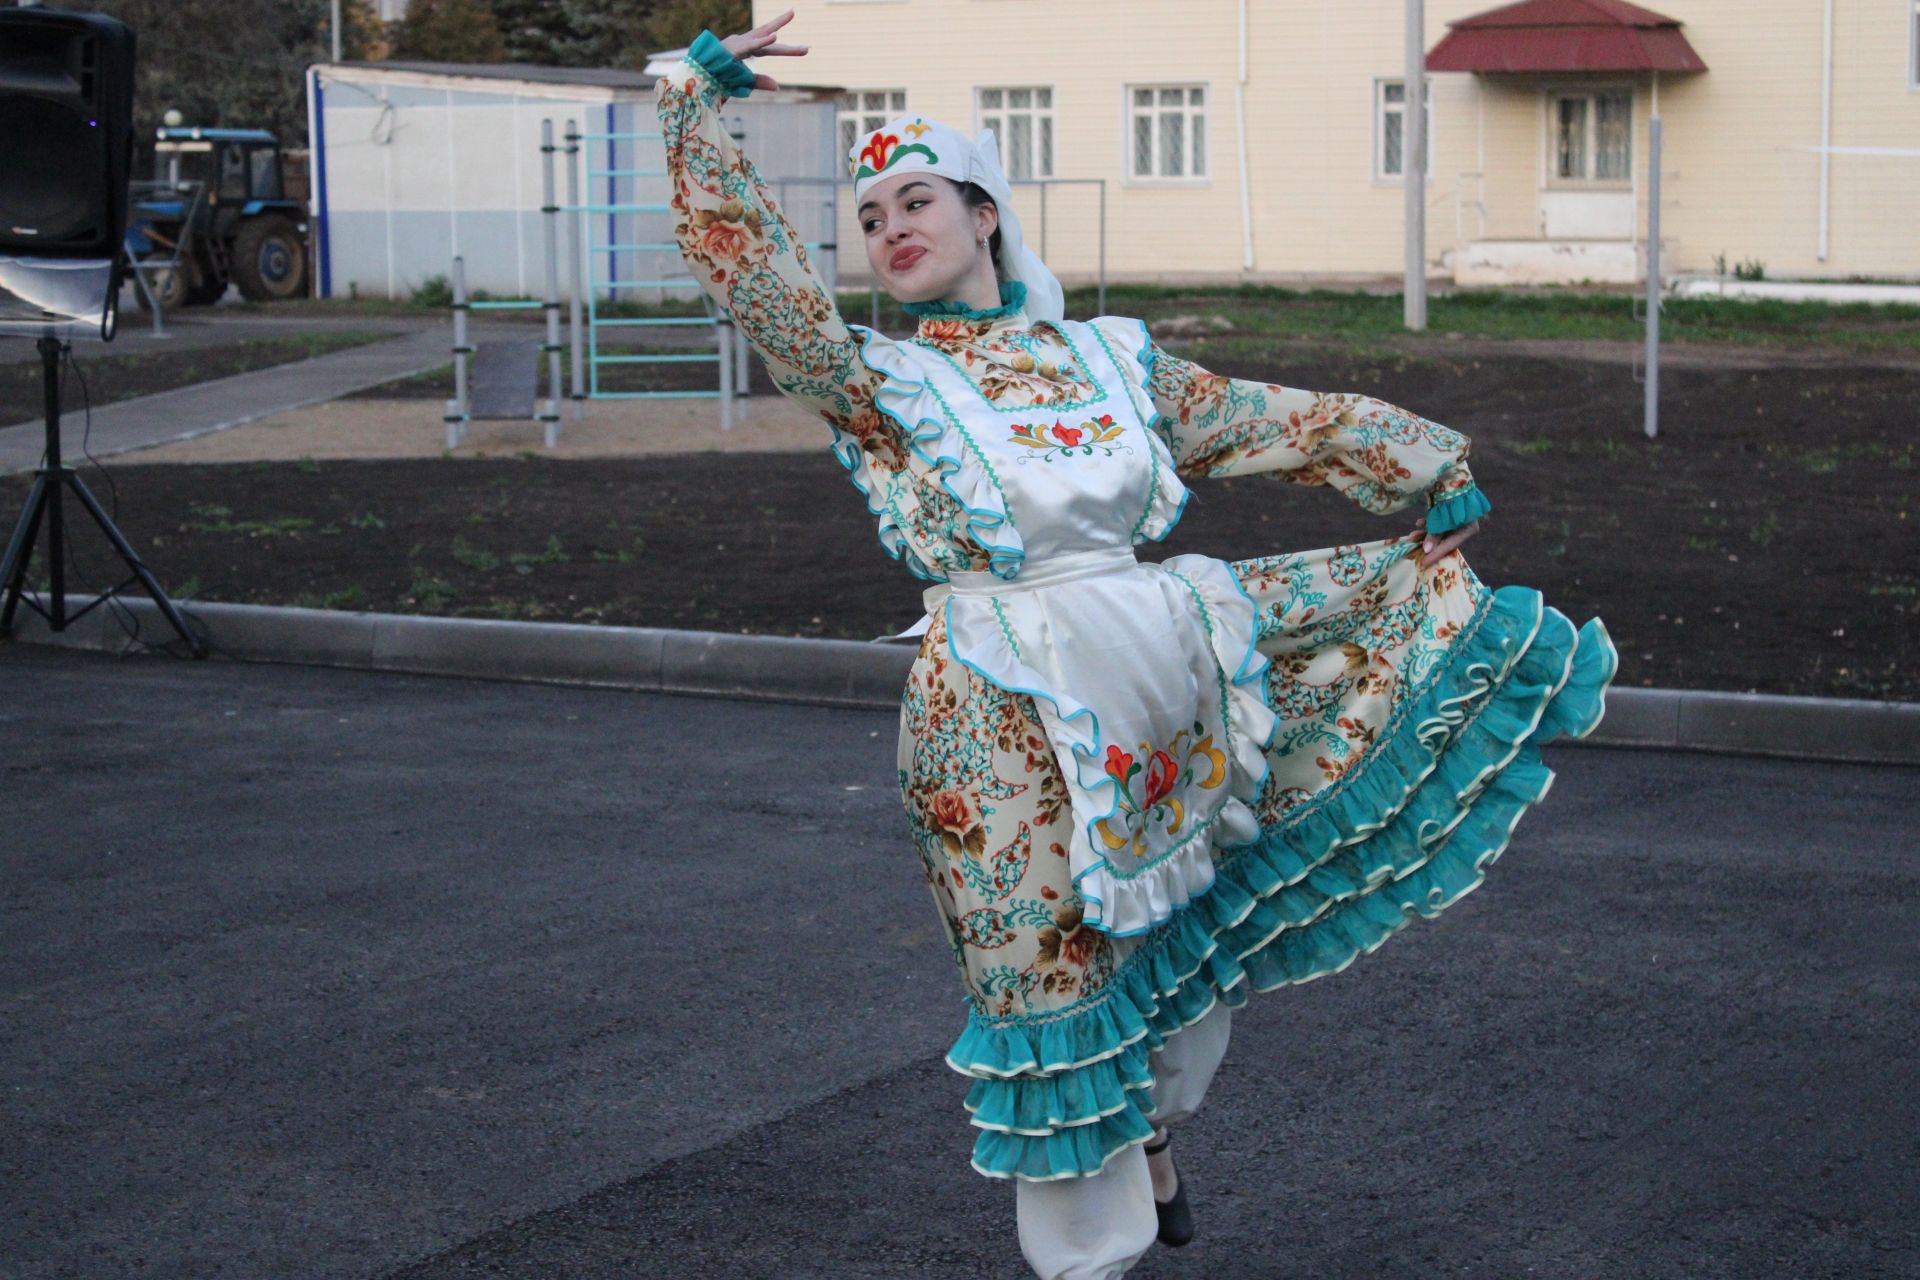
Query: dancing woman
[(1139, 791)]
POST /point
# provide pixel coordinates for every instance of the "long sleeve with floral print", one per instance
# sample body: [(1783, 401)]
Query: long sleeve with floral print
[(1379, 455), (750, 260)]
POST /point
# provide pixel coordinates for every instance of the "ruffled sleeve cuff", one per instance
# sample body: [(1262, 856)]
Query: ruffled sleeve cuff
[(1460, 508), (731, 75)]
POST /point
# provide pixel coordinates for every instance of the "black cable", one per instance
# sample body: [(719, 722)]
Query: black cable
[(86, 435)]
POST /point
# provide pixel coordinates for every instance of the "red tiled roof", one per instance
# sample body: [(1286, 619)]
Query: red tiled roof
[(1565, 35)]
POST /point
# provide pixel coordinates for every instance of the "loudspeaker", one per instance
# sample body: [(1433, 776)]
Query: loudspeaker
[(66, 133)]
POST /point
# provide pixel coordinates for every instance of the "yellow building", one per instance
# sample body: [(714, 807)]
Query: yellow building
[(1262, 139)]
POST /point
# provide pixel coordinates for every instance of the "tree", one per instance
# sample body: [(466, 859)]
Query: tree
[(365, 36), (224, 63), (675, 24), (535, 31), (449, 31), (608, 33)]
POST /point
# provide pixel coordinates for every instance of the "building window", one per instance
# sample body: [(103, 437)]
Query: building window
[(1022, 122), (1169, 131), (1591, 136), (864, 110), (1390, 128)]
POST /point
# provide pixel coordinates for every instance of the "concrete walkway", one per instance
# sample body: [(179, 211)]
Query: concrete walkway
[(228, 402)]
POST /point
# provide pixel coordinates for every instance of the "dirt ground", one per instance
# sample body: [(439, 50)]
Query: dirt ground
[(1769, 540)]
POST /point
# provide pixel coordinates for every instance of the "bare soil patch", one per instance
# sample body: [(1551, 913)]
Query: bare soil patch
[(1770, 540)]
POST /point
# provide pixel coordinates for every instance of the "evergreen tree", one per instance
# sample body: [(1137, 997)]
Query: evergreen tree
[(449, 31), (574, 33), (221, 63), (675, 24), (535, 31), (608, 33)]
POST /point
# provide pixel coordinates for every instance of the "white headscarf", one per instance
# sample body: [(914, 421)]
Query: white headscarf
[(914, 144)]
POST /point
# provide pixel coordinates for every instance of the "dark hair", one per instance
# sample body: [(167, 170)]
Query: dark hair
[(976, 197)]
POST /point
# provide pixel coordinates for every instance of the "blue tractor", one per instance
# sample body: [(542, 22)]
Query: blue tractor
[(219, 211)]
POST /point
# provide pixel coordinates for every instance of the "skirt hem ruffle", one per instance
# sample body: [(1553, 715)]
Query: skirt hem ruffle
[(1409, 832)]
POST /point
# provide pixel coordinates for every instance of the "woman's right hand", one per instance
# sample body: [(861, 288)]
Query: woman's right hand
[(760, 42)]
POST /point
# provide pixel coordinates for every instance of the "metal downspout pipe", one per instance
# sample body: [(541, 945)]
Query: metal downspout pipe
[(1240, 130)]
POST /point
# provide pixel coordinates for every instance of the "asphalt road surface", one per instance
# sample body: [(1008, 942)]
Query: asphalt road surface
[(309, 973)]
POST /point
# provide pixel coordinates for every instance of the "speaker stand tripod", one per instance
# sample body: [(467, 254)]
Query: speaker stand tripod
[(44, 503)]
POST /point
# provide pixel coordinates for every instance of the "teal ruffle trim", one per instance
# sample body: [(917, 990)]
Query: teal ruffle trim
[(1461, 508), (728, 72), (1406, 833), (1013, 296)]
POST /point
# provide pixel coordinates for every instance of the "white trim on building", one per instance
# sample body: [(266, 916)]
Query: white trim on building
[(1170, 119), (861, 111), (1389, 128), (1021, 117)]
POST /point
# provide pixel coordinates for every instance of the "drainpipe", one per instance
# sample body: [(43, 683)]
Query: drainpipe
[(1413, 166), (1240, 130), (1826, 123)]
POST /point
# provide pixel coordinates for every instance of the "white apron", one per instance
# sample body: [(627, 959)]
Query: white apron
[(1145, 675)]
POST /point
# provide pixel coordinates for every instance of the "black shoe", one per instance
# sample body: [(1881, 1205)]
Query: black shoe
[(1176, 1218)]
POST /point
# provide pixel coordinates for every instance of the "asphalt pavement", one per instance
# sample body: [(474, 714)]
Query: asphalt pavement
[(327, 973)]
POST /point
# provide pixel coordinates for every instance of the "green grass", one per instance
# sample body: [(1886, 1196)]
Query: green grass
[(1364, 319), (1370, 319)]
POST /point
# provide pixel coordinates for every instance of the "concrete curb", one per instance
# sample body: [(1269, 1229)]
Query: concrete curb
[(846, 673)]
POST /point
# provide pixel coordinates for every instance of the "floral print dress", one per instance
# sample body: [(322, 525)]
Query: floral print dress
[(1139, 789)]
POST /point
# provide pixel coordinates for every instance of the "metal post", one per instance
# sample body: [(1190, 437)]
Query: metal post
[(742, 370), (141, 287), (578, 389), (53, 470), (1653, 277), (1102, 306), (1413, 165), (726, 371), (457, 407), (336, 31), (550, 304)]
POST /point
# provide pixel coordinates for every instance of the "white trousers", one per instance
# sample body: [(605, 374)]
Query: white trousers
[(1097, 1227)]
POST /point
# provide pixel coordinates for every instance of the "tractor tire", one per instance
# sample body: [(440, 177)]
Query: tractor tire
[(207, 287), (270, 260), (170, 287)]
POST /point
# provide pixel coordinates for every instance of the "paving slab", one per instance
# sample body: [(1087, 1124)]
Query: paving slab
[(187, 412), (370, 427)]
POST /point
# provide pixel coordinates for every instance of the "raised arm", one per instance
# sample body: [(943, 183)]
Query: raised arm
[(1381, 456), (744, 252)]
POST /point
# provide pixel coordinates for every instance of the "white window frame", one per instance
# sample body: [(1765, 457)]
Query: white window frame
[(1549, 132), (1204, 152), (860, 113), (1381, 110), (982, 114)]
